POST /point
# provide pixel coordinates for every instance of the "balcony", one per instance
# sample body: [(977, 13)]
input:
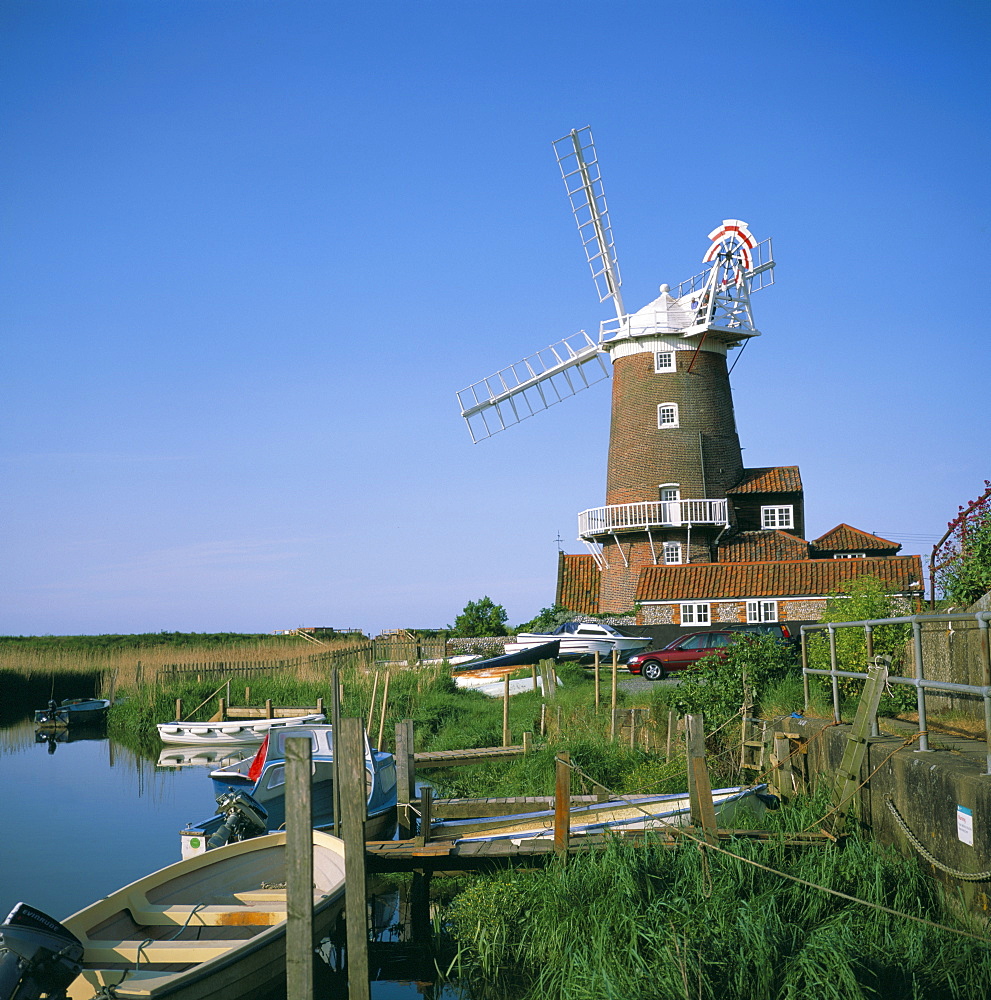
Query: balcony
[(625, 517)]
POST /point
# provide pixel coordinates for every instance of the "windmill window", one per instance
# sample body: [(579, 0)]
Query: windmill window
[(850, 555), (667, 415), (694, 614), (672, 553), (762, 611), (664, 361), (777, 517)]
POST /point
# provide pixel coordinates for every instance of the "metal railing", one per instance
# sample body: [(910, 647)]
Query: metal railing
[(650, 514), (919, 681)]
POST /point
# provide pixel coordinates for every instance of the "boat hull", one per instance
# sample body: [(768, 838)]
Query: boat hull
[(211, 927), (228, 733), (81, 712)]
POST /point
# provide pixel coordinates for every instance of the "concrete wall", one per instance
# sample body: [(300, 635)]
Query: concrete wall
[(952, 651), (926, 788)]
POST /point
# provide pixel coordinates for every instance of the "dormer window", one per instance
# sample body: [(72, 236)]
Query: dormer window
[(664, 361), (849, 555), (667, 415), (777, 517)]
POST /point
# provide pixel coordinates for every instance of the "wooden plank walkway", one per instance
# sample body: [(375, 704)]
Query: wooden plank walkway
[(448, 758), (443, 856)]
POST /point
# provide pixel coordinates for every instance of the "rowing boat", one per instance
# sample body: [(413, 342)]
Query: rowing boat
[(212, 926)]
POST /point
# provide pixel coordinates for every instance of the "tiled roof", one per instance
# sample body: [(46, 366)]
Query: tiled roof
[(794, 578), (781, 479), (578, 583), (762, 546), (843, 538)]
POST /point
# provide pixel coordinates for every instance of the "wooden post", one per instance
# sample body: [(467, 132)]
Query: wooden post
[(221, 712), (178, 710), (533, 671), (299, 870), (526, 742), (782, 764), (543, 718), (404, 777), (633, 728), (596, 669), (351, 744), (699, 789), (672, 726), (247, 696), (269, 711), (562, 804), (335, 721), (426, 818), (505, 711), (385, 703), (615, 664), (320, 705)]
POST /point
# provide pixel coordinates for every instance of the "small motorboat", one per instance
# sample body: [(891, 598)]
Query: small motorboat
[(636, 812), (222, 733), (212, 926), (72, 712), (583, 639), (251, 793)]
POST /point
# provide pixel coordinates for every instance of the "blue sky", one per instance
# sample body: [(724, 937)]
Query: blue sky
[(252, 249)]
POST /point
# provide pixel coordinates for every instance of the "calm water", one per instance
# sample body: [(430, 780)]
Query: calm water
[(92, 816)]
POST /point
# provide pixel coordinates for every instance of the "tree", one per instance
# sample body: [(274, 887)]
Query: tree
[(480, 619), (968, 577), (547, 619)]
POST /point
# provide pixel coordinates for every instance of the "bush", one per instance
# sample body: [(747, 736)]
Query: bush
[(480, 619)]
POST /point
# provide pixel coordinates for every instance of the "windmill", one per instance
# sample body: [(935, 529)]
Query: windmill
[(673, 449)]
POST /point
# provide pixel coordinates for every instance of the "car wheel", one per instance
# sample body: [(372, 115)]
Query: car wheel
[(652, 671)]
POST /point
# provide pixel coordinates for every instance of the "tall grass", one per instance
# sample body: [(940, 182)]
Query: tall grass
[(676, 923)]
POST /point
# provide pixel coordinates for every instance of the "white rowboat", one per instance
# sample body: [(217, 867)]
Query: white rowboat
[(225, 733)]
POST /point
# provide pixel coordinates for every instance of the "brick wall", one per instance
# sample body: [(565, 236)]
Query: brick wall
[(642, 456)]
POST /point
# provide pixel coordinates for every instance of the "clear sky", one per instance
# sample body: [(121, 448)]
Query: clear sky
[(252, 248)]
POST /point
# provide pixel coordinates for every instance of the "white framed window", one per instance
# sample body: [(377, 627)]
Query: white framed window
[(664, 361), (850, 555), (777, 517), (694, 614), (669, 494), (762, 611), (667, 415), (672, 553)]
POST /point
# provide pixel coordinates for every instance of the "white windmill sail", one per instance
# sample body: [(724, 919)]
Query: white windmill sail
[(716, 299)]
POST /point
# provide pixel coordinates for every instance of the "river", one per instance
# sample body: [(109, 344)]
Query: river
[(85, 817)]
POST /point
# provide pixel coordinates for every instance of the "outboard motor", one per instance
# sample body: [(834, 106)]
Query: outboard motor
[(37, 955), (244, 817)]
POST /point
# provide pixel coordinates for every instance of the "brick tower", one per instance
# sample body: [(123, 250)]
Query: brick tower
[(673, 449)]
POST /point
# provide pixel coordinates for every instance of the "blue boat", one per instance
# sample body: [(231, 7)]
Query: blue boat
[(251, 793), (72, 712)]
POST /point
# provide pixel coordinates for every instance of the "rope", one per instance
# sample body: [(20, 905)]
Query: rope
[(916, 843)]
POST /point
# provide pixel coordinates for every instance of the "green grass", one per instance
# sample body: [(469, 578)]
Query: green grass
[(679, 923)]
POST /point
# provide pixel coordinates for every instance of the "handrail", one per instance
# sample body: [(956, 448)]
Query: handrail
[(919, 682), (649, 514)]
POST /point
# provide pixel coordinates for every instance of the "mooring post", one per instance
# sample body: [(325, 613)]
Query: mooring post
[(351, 743), (247, 696), (672, 725), (699, 789), (269, 711), (526, 742), (299, 870), (178, 710), (404, 777), (320, 705), (505, 711), (335, 721), (562, 803), (612, 723), (596, 669), (533, 673), (426, 808)]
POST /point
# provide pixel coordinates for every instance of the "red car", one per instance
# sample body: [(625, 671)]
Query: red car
[(682, 653)]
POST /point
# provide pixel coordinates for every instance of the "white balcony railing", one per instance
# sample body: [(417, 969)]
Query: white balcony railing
[(652, 514)]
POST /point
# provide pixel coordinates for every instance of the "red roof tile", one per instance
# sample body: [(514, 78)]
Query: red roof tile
[(794, 578), (780, 479), (578, 583), (762, 546), (843, 538)]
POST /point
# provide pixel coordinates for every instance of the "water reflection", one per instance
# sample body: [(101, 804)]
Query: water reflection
[(87, 815)]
